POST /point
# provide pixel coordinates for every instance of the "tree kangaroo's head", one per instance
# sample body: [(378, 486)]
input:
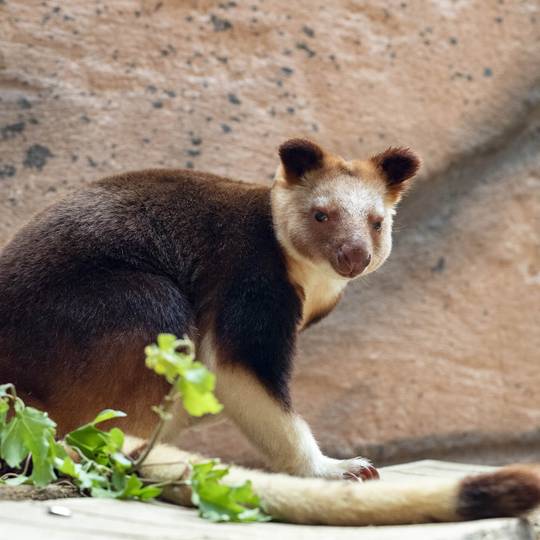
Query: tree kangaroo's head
[(337, 214)]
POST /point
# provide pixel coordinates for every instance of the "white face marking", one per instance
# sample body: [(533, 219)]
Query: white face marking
[(350, 196), (353, 205), (357, 201)]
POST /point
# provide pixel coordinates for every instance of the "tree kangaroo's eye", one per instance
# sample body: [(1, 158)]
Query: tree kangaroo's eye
[(377, 225), (320, 216)]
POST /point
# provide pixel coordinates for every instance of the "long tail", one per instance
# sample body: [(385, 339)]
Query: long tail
[(510, 491)]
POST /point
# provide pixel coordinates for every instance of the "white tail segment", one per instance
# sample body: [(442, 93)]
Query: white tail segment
[(507, 492)]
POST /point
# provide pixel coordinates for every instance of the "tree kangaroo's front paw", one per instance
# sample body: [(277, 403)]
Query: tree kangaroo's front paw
[(358, 469), (360, 473)]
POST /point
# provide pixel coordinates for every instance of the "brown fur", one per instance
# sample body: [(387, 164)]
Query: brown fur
[(240, 268), (300, 156), (136, 220), (509, 492), (397, 165)]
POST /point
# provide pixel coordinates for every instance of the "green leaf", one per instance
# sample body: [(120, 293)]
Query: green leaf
[(4, 408), (107, 414), (90, 479), (38, 434), (96, 443), (148, 493), (116, 438), (15, 480), (198, 376), (118, 480), (103, 492), (121, 461), (194, 382), (13, 449), (88, 439), (132, 486), (166, 341), (30, 431), (197, 402), (129, 486), (42, 471), (219, 502), (67, 466)]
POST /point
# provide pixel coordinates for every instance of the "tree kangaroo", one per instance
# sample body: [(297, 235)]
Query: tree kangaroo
[(240, 268)]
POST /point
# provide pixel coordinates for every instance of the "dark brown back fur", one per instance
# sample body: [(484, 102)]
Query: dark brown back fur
[(97, 276)]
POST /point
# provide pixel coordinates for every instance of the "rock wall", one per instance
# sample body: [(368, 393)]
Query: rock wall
[(438, 353)]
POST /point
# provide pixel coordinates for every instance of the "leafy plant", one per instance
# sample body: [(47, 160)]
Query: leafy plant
[(27, 432), (92, 458), (218, 502), (189, 378), (102, 468)]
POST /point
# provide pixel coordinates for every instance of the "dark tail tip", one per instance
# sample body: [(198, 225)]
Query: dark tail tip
[(509, 492)]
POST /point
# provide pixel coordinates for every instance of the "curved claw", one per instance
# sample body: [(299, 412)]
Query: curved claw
[(363, 475), (374, 473)]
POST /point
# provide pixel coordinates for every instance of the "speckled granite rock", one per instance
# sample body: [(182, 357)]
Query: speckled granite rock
[(438, 353)]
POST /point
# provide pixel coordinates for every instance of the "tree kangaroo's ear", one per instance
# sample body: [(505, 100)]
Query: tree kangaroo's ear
[(298, 157), (397, 166)]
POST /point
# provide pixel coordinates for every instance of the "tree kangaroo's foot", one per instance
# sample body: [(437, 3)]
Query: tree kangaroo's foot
[(357, 469)]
